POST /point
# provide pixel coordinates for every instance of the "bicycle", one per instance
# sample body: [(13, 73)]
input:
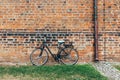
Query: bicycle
[(66, 54)]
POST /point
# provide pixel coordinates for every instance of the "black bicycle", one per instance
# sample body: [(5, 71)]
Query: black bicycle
[(66, 54)]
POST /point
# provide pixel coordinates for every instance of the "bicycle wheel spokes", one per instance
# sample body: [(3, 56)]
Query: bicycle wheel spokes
[(39, 57), (69, 56)]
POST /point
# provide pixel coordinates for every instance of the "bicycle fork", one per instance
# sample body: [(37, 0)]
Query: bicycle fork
[(42, 48)]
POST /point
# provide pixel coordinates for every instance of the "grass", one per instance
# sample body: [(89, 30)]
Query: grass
[(117, 67), (58, 72)]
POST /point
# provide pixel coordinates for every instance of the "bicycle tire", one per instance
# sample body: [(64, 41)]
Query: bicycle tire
[(69, 56), (37, 59)]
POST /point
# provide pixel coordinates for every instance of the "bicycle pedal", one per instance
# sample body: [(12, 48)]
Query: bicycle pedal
[(57, 60)]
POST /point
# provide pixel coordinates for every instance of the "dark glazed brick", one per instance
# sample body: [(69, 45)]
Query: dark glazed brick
[(32, 34), (32, 40), (54, 34), (118, 34), (10, 39)]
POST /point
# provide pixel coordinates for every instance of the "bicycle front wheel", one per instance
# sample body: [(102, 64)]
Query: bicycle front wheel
[(69, 56), (39, 57)]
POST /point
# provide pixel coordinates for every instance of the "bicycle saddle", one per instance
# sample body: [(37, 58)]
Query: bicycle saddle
[(61, 41)]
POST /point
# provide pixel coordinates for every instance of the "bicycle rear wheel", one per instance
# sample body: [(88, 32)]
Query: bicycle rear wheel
[(69, 56), (39, 57)]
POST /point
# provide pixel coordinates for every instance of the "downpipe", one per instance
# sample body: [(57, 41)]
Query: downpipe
[(95, 17)]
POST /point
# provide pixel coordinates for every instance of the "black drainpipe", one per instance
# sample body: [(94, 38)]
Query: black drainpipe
[(96, 30)]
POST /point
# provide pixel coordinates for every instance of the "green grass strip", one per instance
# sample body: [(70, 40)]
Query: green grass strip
[(118, 67), (58, 72)]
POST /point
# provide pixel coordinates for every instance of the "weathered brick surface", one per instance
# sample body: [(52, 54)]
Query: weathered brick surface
[(109, 29), (23, 24)]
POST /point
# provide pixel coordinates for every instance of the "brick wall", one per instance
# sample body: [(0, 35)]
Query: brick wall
[(109, 29), (23, 23)]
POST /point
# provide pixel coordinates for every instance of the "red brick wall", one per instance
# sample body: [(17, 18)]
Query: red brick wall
[(109, 29), (24, 22)]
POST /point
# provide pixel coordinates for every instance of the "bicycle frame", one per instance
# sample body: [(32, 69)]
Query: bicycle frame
[(43, 46), (57, 56)]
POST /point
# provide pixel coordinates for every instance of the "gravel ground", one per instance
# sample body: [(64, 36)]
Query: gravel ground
[(107, 70)]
